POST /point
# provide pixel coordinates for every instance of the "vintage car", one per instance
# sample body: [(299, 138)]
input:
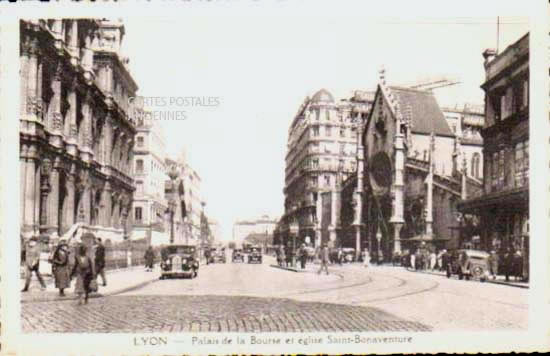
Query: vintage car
[(348, 254), (179, 261), (469, 264), (255, 255), (217, 255), (237, 255)]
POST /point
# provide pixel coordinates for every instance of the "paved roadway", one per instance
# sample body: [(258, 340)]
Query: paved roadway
[(253, 298)]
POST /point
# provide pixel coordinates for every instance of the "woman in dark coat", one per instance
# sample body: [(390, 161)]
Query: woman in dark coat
[(60, 264), (84, 271)]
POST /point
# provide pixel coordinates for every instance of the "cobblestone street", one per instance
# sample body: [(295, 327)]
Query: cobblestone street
[(241, 297)]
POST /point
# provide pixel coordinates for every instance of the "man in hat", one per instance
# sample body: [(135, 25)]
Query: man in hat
[(32, 262)]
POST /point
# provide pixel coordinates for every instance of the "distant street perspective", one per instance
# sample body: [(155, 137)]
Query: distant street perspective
[(391, 208)]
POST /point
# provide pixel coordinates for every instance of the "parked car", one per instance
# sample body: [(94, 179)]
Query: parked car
[(469, 264), (255, 255), (217, 255), (179, 261), (349, 254), (237, 255)]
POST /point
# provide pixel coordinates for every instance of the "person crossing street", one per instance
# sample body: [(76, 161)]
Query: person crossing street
[(324, 256)]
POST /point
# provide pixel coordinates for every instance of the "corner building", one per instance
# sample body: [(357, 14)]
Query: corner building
[(321, 154), (76, 132)]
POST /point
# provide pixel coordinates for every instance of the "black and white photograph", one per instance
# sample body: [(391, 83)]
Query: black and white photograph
[(274, 173)]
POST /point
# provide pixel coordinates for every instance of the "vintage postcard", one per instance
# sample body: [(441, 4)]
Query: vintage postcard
[(310, 177)]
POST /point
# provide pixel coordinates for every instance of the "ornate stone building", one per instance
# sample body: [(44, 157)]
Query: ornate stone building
[(414, 175), (321, 154), (503, 208), (76, 131)]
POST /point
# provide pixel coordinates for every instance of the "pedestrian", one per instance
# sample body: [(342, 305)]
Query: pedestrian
[(445, 257), (303, 256), (493, 264), (100, 261), (149, 258), (84, 271), (433, 260), (32, 263), (60, 267), (508, 263), (339, 256), (366, 258), (207, 255), (413, 260), (324, 259)]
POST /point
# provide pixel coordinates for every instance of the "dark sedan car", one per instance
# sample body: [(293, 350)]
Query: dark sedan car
[(237, 255), (179, 261), (255, 255)]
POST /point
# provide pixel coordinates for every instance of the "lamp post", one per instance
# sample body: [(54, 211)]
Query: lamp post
[(173, 175), (294, 233)]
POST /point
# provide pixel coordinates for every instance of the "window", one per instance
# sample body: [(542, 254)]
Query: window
[(140, 141), (525, 96), (139, 186), (453, 127), (327, 179), (501, 169), (315, 130), (494, 172), (328, 131), (313, 181), (138, 214), (139, 166), (521, 159), (315, 163), (342, 132)]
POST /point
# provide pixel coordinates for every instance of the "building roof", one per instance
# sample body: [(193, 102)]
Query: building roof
[(426, 113), (322, 95)]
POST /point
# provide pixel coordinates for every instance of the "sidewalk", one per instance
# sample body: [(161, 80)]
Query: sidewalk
[(118, 281), (499, 280)]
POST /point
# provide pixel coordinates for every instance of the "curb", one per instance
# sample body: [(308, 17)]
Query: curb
[(487, 281)]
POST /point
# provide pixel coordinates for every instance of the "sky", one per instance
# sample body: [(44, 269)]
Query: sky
[(257, 70)]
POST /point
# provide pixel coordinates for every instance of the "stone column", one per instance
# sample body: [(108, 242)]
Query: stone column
[(32, 81), (55, 122), (23, 90), (45, 188), (106, 205), (70, 128), (28, 188), (429, 188), (86, 130), (68, 209), (53, 203), (398, 202), (73, 42)]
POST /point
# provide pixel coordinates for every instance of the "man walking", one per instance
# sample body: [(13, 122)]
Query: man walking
[(100, 261), (303, 256), (32, 263), (324, 259)]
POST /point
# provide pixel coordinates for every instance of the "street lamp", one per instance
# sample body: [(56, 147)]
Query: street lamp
[(173, 174), (294, 232)]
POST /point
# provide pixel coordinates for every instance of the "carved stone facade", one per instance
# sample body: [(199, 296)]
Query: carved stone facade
[(76, 131)]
